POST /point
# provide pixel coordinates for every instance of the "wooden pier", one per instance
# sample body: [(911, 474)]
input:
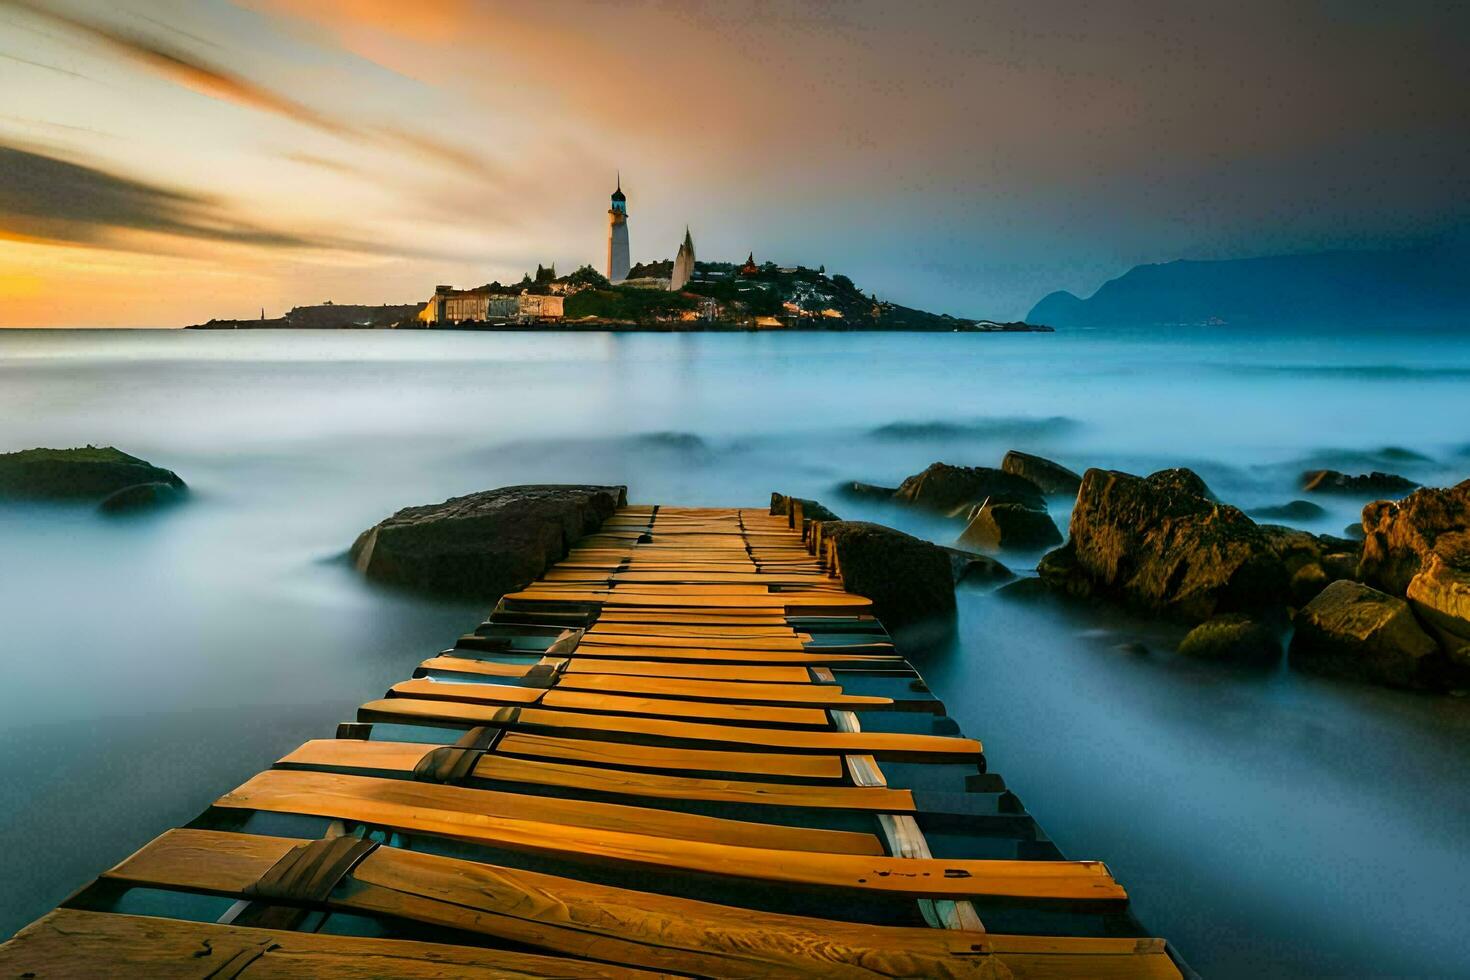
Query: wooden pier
[(686, 750)]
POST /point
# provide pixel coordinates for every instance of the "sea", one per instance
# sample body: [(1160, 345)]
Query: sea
[(1268, 823)]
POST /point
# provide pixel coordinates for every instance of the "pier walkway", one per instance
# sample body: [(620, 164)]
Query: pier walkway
[(686, 750)]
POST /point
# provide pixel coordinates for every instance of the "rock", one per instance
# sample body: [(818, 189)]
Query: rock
[(1334, 481), (1233, 637), (1052, 478), (908, 579), (997, 527), (810, 509), (1353, 631), (1159, 544), (1440, 594), (1340, 565), (1400, 537), (868, 490), (140, 496), (968, 567), (943, 487), (1297, 510), (1302, 554), (1182, 480), (1027, 588), (92, 473), (486, 544)]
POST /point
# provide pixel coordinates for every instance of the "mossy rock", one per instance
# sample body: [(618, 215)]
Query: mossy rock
[(89, 473), (1233, 637)]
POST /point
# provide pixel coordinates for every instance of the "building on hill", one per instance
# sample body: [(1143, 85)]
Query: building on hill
[(489, 304), (750, 268), (617, 235), (683, 269)]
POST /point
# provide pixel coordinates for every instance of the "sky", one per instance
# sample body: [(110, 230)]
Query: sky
[(166, 162)]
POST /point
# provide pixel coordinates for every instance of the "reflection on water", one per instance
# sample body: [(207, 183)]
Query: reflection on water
[(1269, 823)]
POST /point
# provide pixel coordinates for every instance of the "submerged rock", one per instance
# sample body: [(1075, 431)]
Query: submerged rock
[(811, 510), (92, 473), (485, 544), (1333, 481), (1233, 637), (1052, 478), (1297, 510), (1001, 527), (140, 497), (859, 489), (1160, 544), (944, 487), (1351, 630), (909, 580), (968, 567)]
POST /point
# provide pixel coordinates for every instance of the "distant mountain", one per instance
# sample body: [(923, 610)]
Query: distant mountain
[(1428, 285)]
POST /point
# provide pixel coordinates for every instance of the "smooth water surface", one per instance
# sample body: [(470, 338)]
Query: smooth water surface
[(1267, 823)]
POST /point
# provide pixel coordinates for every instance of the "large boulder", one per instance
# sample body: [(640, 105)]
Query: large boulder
[(1400, 538), (1333, 481), (485, 544), (1353, 631), (1009, 527), (1052, 478), (908, 579), (91, 473), (1440, 594), (1233, 637), (811, 510), (944, 487), (1159, 544)]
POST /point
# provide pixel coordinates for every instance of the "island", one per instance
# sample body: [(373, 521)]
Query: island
[(717, 296)]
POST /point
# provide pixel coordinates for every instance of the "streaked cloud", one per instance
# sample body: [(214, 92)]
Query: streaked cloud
[(220, 82), (46, 199)]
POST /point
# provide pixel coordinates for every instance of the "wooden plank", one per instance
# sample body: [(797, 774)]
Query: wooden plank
[(606, 637), (600, 628), (820, 695), (630, 755), (901, 746), (424, 687), (574, 918), (773, 600), (703, 711), (595, 700), (71, 943), (807, 656), (403, 757), (402, 806), (673, 668), (465, 665), (490, 816)]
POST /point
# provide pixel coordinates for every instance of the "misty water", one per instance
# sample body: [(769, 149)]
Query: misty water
[(1268, 823)]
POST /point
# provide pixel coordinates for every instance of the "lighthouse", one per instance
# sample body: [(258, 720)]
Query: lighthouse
[(617, 235)]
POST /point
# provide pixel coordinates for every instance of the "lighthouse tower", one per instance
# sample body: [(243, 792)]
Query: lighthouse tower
[(617, 235)]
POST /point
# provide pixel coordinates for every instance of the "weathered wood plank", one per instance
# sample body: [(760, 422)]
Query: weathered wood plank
[(819, 695), (71, 943), (673, 668), (403, 757), (493, 816), (570, 917)]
